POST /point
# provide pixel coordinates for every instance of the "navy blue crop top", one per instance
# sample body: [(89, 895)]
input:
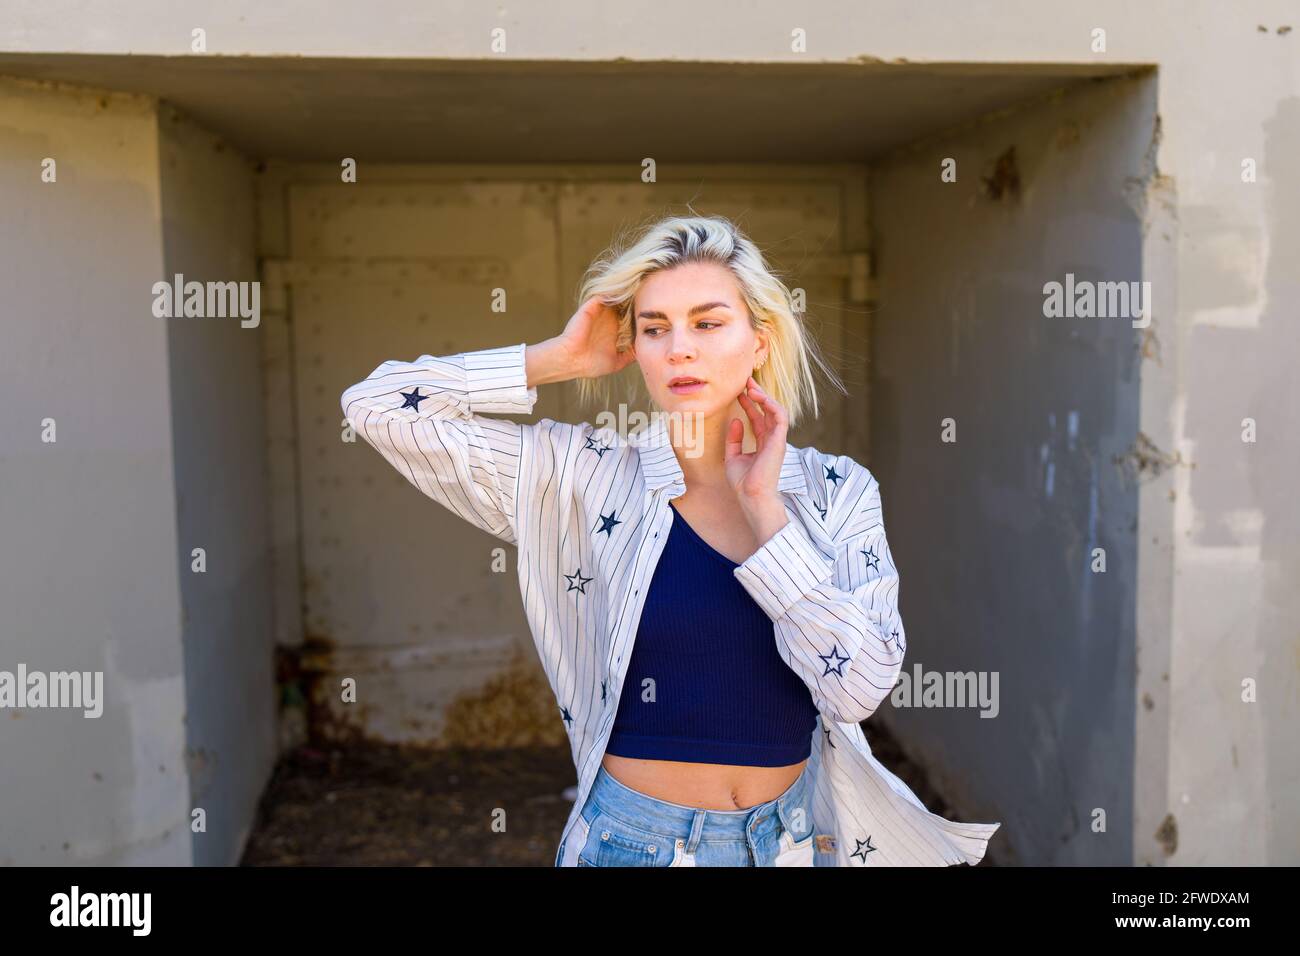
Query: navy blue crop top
[(721, 693)]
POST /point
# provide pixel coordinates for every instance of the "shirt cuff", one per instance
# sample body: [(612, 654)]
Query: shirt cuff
[(496, 380), (783, 570)]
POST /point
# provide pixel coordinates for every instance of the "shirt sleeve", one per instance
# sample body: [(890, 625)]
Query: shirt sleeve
[(427, 418), (836, 621)]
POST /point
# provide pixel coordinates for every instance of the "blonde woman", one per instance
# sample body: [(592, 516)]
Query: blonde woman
[(716, 610)]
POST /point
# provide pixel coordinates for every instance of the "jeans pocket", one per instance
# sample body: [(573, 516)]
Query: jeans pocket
[(615, 843), (792, 852), (680, 856), (577, 837)]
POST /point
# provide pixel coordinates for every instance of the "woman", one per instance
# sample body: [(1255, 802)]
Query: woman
[(715, 608)]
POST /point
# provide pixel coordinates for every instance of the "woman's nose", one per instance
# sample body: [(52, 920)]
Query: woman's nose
[(681, 348)]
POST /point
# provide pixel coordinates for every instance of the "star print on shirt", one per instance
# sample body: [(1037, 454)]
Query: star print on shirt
[(859, 851), (873, 560), (821, 511), (602, 692), (840, 661), (413, 399), (831, 476), (827, 732), (607, 523), (599, 450), (568, 718), (580, 586)]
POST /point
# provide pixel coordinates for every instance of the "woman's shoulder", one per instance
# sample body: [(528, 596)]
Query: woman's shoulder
[(834, 469), (844, 491)]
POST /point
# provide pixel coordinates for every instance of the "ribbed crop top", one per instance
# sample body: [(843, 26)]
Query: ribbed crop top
[(720, 692)]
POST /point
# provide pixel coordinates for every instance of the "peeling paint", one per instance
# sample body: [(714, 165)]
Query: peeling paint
[(1139, 189), (1144, 459), (1167, 835), (1005, 180), (1149, 347)]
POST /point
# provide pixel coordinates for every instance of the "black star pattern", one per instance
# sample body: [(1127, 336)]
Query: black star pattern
[(831, 476), (602, 692), (839, 659), (873, 561), (827, 732), (607, 523), (599, 450), (580, 586), (821, 511), (413, 399), (859, 851), (568, 718)]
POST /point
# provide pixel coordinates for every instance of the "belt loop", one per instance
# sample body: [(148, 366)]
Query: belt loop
[(697, 830)]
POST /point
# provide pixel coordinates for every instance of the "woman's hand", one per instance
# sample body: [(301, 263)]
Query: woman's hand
[(754, 475), (589, 341)]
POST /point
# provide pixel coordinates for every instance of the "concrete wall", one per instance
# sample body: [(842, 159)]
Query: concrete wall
[(997, 537), (89, 570), (159, 448), (222, 504)]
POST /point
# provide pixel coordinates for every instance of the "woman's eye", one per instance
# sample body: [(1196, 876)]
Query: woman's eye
[(650, 332)]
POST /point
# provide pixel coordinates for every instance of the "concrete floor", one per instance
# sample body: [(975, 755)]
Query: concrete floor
[(386, 805)]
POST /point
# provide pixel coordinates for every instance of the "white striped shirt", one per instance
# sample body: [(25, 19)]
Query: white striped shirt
[(588, 511)]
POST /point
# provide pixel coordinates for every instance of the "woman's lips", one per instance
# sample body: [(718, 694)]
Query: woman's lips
[(686, 388)]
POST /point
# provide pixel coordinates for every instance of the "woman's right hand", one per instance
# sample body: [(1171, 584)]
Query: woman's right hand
[(589, 340)]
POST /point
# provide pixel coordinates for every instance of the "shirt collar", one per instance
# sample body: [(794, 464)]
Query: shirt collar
[(659, 465)]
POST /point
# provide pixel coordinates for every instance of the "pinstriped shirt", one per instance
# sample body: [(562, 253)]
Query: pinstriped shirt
[(588, 512)]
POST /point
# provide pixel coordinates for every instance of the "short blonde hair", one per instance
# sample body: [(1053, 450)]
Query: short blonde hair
[(616, 275)]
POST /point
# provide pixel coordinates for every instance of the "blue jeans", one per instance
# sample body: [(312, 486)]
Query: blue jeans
[(628, 828)]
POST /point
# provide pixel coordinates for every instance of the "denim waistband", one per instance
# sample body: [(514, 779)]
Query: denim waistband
[(673, 819)]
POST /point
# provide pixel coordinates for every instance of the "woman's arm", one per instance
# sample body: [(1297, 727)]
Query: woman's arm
[(430, 418), (549, 362), (427, 418), (837, 623)]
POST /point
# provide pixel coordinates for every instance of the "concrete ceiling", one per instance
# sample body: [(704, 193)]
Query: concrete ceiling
[(489, 111)]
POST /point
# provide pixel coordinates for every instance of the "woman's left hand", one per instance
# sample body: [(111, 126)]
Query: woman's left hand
[(754, 476)]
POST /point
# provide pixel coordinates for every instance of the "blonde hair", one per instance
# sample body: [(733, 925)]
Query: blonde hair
[(616, 275)]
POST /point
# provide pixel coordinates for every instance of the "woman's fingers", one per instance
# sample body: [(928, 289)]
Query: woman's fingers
[(755, 414), (775, 419), (735, 439)]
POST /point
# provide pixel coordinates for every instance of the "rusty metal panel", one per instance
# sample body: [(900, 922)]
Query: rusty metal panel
[(418, 606)]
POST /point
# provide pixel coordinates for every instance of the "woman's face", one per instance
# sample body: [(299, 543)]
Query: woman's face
[(690, 322)]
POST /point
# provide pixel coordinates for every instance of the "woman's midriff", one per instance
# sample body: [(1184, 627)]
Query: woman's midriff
[(707, 786)]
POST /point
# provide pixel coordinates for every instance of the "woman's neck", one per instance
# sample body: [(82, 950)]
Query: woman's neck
[(701, 447)]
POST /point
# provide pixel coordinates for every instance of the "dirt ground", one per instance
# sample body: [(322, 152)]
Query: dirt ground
[(381, 805)]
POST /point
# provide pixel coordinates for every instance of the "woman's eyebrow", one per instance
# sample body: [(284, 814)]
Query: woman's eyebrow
[(648, 314)]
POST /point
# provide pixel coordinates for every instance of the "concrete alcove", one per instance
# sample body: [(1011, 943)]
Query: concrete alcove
[(928, 291)]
